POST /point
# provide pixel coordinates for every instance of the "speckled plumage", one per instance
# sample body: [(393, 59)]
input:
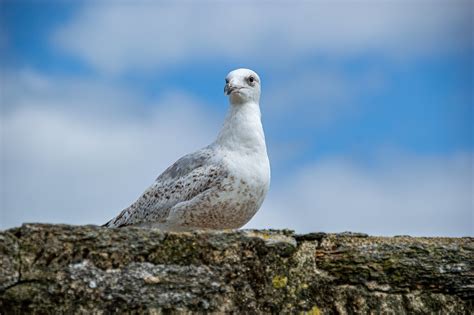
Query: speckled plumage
[(218, 187)]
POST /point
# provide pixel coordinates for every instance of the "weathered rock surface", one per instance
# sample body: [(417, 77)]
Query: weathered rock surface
[(87, 269)]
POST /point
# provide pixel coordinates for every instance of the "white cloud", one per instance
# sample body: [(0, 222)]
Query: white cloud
[(317, 97), (115, 36), (401, 194), (82, 165)]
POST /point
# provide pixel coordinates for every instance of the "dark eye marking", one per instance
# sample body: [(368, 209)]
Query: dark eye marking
[(227, 81), (251, 79)]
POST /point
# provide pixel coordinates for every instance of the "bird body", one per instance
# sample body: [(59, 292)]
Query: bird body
[(220, 186)]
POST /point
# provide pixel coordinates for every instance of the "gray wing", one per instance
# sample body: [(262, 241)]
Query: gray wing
[(186, 178)]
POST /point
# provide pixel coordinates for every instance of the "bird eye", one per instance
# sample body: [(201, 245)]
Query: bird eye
[(251, 79), (227, 81)]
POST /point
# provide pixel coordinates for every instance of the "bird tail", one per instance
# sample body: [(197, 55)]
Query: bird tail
[(117, 221)]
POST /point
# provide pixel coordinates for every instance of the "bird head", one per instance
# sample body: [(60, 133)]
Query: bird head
[(242, 86)]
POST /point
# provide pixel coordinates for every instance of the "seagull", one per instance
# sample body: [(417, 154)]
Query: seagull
[(221, 186)]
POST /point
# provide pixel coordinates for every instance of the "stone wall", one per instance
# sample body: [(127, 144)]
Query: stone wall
[(51, 269)]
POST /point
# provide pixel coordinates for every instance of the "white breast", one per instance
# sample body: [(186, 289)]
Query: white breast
[(241, 152)]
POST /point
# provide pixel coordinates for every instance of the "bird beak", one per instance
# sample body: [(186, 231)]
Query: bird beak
[(228, 89)]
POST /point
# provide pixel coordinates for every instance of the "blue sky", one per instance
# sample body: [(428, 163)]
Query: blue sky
[(367, 107)]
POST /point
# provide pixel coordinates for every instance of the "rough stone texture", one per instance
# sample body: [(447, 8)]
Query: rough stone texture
[(87, 269)]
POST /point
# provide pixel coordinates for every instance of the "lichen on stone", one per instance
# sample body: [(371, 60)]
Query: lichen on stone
[(279, 282)]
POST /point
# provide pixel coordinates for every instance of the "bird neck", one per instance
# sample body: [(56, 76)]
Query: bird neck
[(242, 129)]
